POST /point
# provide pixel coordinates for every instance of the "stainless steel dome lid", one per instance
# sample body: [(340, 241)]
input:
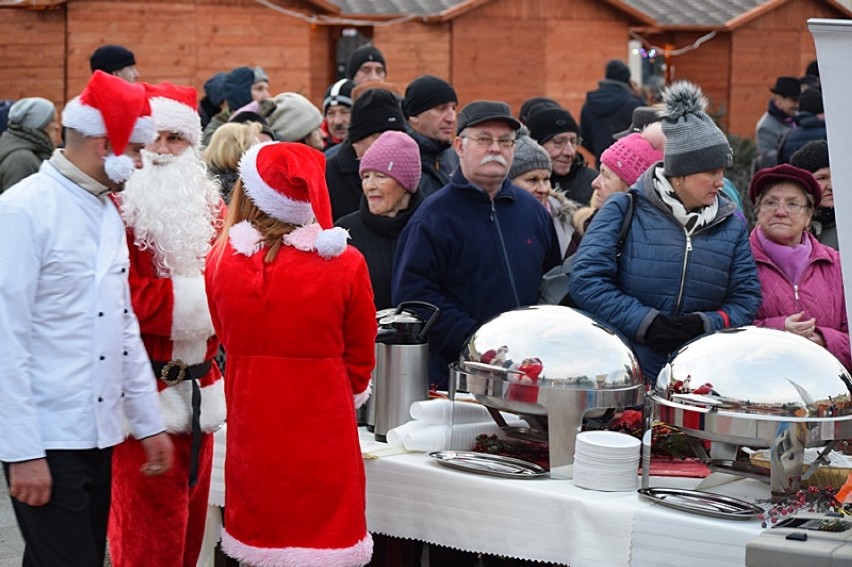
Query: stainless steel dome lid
[(573, 350), (758, 373)]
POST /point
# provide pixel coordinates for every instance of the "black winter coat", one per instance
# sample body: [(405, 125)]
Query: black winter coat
[(607, 111), (577, 185), (343, 180), (375, 237)]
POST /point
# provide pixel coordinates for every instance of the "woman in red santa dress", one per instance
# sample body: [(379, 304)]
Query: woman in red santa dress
[(293, 306)]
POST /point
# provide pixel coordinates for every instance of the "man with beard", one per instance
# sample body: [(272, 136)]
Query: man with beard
[(430, 108), (476, 248), (72, 358), (171, 209)]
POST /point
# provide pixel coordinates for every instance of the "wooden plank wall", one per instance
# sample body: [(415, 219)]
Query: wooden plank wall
[(32, 54), (777, 44), (513, 51), (183, 41), (413, 48)]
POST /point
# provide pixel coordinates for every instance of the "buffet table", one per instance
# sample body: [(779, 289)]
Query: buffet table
[(411, 496)]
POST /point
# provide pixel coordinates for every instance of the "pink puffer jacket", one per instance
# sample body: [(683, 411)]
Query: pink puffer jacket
[(819, 294)]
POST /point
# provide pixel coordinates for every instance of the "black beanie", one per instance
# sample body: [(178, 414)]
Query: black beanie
[(237, 85), (812, 156), (338, 94), (362, 55), (531, 103), (427, 92), (109, 58), (811, 101), (617, 71), (547, 121), (376, 110)]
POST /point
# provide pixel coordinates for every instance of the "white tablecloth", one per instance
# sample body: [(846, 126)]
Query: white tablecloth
[(412, 496)]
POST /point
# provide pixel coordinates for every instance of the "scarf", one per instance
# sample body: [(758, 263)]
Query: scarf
[(781, 115), (691, 221), (791, 260), (73, 173)]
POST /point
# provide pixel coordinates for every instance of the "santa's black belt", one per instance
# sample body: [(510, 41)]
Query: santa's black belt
[(176, 371)]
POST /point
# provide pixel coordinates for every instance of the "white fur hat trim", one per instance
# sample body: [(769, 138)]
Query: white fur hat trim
[(270, 201), (173, 116), (90, 122)]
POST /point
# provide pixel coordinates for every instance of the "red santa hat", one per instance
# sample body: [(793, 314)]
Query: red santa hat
[(112, 107), (287, 182), (174, 110)]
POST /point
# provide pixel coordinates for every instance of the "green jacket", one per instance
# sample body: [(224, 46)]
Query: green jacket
[(21, 152)]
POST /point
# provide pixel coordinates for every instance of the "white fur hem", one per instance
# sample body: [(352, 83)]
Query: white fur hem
[(361, 399), (355, 556), (191, 314), (173, 116), (176, 407)]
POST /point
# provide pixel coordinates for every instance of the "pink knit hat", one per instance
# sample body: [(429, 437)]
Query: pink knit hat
[(396, 155), (630, 156)]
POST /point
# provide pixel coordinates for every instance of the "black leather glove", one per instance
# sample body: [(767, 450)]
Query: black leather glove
[(664, 335), (690, 324)]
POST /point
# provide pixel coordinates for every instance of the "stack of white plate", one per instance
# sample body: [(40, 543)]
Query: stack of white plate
[(606, 460)]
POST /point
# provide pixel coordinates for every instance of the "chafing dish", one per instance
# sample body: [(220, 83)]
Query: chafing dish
[(757, 387), (552, 366)]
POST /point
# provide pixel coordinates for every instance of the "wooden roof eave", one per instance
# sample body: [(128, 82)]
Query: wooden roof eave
[(32, 4), (641, 17)]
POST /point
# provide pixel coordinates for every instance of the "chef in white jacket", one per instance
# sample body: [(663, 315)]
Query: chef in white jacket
[(72, 364)]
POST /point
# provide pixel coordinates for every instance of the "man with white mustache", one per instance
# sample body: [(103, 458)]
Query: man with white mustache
[(478, 246), (172, 211)]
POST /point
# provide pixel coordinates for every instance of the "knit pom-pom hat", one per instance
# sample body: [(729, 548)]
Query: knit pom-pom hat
[(694, 143), (630, 157)]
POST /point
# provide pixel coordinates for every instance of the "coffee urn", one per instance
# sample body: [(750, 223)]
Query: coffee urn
[(402, 364)]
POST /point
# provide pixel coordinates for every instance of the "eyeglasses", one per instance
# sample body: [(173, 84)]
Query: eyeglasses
[(486, 141), (561, 141), (771, 205)]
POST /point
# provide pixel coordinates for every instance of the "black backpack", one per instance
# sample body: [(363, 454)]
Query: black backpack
[(553, 289)]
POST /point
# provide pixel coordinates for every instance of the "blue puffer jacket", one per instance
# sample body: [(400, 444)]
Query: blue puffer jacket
[(711, 273), (463, 253)]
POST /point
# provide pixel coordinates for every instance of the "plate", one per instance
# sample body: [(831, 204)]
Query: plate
[(493, 465), (705, 503)]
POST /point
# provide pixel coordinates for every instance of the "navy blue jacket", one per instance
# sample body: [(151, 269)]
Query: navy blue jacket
[(810, 128), (660, 270), (464, 253)]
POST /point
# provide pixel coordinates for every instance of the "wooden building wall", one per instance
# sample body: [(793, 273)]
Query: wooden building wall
[(776, 44), (413, 48), (516, 50), (32, 54), (183, 41)]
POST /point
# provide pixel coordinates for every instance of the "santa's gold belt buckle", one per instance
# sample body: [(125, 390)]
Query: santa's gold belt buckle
[(167, 369)]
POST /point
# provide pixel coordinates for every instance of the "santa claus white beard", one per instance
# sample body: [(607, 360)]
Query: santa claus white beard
[(172, 207)]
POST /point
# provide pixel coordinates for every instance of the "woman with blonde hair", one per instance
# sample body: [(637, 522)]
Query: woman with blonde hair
[(228, 144), (293, 306)]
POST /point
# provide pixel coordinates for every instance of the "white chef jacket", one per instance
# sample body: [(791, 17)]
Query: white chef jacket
[(72, 362)]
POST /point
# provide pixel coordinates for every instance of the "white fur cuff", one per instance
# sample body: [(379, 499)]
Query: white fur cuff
[(191, 314)]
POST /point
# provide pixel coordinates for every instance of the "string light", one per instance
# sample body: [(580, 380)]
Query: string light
[(653, 50)]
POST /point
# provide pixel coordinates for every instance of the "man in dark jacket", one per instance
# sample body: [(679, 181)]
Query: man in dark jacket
[(555, 129), (430, 107), (27, 141), (480, 245), (811, 125), (375, 111), (609, 109)]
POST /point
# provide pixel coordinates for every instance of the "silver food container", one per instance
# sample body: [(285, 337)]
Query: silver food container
[(551, 365), (760, 388)]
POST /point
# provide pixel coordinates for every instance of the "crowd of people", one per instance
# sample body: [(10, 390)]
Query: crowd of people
[(160, 230)]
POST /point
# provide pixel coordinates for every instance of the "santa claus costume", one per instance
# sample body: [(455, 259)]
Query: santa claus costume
[(293, 306), (171, 210)]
